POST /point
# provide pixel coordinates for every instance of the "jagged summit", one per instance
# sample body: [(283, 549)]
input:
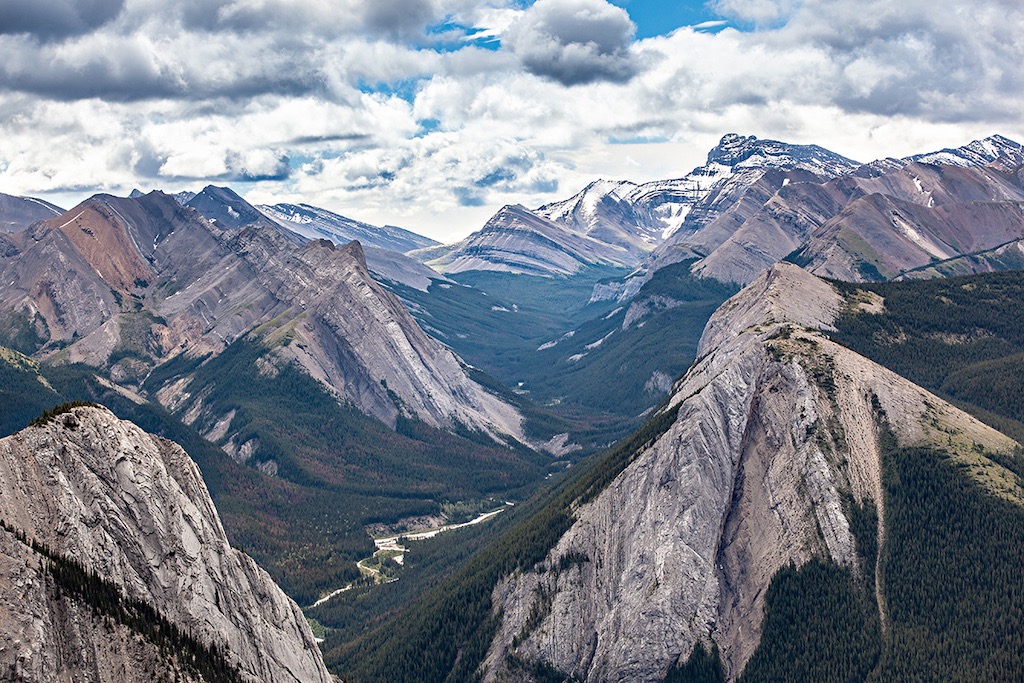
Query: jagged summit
[(751, 152), (976, 153), (605, 210), (771, 200)]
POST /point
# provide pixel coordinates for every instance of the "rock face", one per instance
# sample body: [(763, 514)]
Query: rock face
[(916, 217), (606, 211), (356, 337), (128, 284), (132, 508), (775, 424), (741, 174), (47, 638)]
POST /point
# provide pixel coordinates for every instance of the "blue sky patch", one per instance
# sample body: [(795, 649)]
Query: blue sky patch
[(658, 17)]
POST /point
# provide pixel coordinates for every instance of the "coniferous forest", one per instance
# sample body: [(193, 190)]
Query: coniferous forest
[(951, 580)]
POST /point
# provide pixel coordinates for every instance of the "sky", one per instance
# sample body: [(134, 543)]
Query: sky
[(432, 114)]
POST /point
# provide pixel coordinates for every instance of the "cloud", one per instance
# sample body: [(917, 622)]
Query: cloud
[(574, 41), (367, 109), (255, 17), (49, 19), (115, 67), (908, 58), (707, 25), (400, 18)]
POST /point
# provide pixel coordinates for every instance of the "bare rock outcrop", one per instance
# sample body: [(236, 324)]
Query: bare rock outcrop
[(775, 425), (48, 637), (126, 284), (132, 508)]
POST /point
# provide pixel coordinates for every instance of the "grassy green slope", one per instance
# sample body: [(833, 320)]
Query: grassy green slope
[(615, 376), (496, 320)]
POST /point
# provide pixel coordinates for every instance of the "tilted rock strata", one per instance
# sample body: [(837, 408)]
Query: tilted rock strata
[(155, 279), (315, 223), (363, 341), (17, 213), (133, 508), (774, 422), (872, 222), (517, 240)]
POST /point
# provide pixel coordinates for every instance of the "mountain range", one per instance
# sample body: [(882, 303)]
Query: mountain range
[(133, 283), (747, 424), (621, 223), (890, 216), (794, 510), (757, 201)]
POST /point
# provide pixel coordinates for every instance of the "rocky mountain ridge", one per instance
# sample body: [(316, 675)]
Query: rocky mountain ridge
[(313, 222), (382, 247), (775, 425), (976, 153), (856, 222), (133, 509), (132, 283), (621, 223), (516, 240), (17, 213), (916, 217)]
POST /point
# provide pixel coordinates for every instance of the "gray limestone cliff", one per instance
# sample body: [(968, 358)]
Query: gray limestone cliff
[(775, 424), (132, 508), (126, 285)]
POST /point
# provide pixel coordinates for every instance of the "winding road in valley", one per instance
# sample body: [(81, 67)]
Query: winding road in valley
[(389, 544)]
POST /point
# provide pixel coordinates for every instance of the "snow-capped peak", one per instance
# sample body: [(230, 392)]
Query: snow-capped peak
[(738, 151), (579, 210), (976, 153)]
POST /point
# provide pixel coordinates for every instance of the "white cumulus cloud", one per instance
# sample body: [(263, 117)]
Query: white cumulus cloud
[(433, 113)]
